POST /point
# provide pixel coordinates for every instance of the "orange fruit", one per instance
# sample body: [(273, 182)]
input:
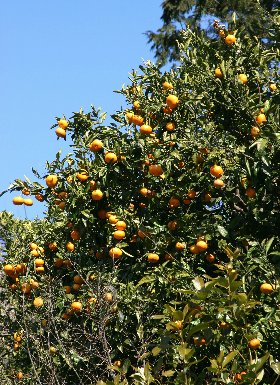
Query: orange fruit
[(167, 86), (218, 73), (199, 341), (61, 205), (17, 336), (201, 245), (51, 181), (96, 145), (52, 350), (120, 225), (9, 269), (170, 126), (138, 120), (144, 191), (254, 343), (19, 375), (39, 197), (115, 252), (230, 39), (240, 376), (216, 171), (34, 284), (250, 192), (63, 123), (108, 297), (18, 201), (243, 78), (210, 258), (266, 288), (155, 170), (67, 289), (145, 129), (194, 249), (153, 258), (92, 185), (172, 225), (75, 235), (70, 246), (180, 246), (187, 201), (136, 105), (60, 132), (67, 263), (174, 202), (272, 87), (76, 286), (52, 246), (255, 131), (82, 176), (167, 110), (35, 253), (172, 101), (58, 262), (113, 219), (207, 197), (261, 118), (110, 157), (38, 302), (25, 191), (191, 194), (78, 279), (119, 234), (102, 214), (218, 183), (222, 33), (39, 262), (97, 195), (40, 269), (76, 306), (62, 195), (33, 246), (26, 288), (117, 363), (69, 179), (28, 202), (129, 116)]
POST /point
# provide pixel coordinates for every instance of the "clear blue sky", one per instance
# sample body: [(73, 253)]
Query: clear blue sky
[(58, 56)]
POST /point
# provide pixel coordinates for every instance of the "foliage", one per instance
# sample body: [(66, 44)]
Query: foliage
[(184, 303), (256, 18)]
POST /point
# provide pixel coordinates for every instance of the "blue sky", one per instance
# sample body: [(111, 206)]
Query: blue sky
[(58, 56)]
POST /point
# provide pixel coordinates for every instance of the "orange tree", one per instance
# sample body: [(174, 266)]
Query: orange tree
[(158, 259)]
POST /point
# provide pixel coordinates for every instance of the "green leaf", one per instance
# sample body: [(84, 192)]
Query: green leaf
[(261, 361), (222, 231), (156, 350), (275, 366), (229, 358), (168, 373), (268, 245), (146, 279)]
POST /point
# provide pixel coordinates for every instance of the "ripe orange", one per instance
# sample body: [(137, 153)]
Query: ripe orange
[(76, 306), (250, 192), (180, 246), (25, 191), (254, 343), (40, 269), (92, 185), (52, 246), (52, 350), (201, 245), (199, 341), (243, 78), (78, 279), (18, 201), (191, 194), (62, 195), (19, 375), (194, 249), (167, 86), (76, 286), (108, 297), (207, 197), (110, 157), (210, 258), (67, 289), (174, 202), (51, 180), (34, 284), (97, 195), (272, 87), (63, 123), (186, 201), (58, 262), (67, 263), (172, 101), (240, 376), (60, 132), (75, 235), (216, 171), (155, 170), (70, 246), (129, 116), (266, 288), (138, 120), (82, 176), (170, 126), (115, 252), (33, 246), (9, 269), (261, 118), (230, 39), (96, 145), (255, 131), (167, 110), (113, 219), (28, 202), (38, 302), (35, 253), (153, 258), (136, 105), (26, 288), (119, 234), (120, 225), (17, 336), (218, 183), (218, 73), (39, 197), (39, 262), (145, 129)]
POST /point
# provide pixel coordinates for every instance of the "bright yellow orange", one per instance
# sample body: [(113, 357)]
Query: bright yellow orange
[(82, 176), (110, 157), (243, 78), (96, 145), (51, 180), (76, 306), (218, 73), (153, 258), (63, 123), (194, 249), (52, 246), (40, 269), (180, 246), (39, 262), (216, 171), (120, 225), (266, 288), (254, 343), (138, 120), (201, 245), (272, 87), (170, 126), (255, 131), (26, 288), (218, 183), (261, 118), (119, 234), (167, 86), (9, 269), (18, 201), (70, 247), (136, 105), (145, 129), (60, 133), (28, 202), (172, 101), (155, 170), (230, 39), (97, 195), (38, 302), (115, 253), (108, 297)]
